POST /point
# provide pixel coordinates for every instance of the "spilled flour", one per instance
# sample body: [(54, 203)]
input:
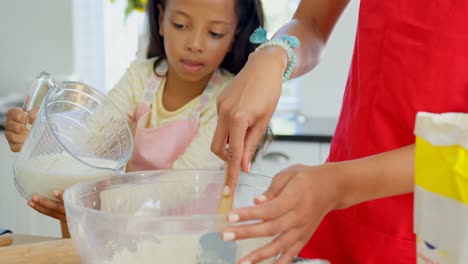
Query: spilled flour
[(182, 249)]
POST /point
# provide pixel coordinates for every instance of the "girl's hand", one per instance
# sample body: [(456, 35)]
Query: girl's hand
[(245, 108), (17, 127), (48, 207), (291, 209)]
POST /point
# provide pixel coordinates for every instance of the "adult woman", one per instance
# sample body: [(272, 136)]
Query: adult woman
[(409, 56)]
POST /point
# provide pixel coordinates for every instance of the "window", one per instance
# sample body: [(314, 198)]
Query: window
[(105, 42)]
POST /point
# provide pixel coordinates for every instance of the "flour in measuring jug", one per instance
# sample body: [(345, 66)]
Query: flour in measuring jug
[(44, 174)]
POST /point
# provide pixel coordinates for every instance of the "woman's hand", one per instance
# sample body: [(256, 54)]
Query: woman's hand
[(54, 209), (17, 125), (291, 209), (300, 196), (245, 108)]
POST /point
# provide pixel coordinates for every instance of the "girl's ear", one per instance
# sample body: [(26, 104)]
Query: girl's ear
[(161, 19)]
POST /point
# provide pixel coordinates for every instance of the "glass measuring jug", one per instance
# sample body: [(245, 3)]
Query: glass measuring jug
[(78, 134)]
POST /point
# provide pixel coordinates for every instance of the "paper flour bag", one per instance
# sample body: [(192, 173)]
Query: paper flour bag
[(441, 188)]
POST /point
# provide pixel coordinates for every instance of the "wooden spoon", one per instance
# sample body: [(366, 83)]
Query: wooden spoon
[(213, 248)]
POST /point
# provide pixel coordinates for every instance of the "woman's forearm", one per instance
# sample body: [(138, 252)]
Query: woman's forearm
[(382, 175), (312, 24)]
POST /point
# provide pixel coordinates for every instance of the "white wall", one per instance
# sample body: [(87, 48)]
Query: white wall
[(88, 33), (35, 36), (105, 41), (322, 89), (120, 40)]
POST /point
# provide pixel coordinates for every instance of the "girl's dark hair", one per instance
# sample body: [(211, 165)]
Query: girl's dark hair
[(250, 16)]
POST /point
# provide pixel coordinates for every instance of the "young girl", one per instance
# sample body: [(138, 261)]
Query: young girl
[(195, 48)]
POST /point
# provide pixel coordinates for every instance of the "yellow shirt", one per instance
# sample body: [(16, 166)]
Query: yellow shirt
[(128, 93)]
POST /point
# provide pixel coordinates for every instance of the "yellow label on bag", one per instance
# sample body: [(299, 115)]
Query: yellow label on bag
[(442, 169), (441, 188)]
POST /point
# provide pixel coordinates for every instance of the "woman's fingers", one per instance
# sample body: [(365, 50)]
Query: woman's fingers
[(288, 244), (236, 149), (252, 139)]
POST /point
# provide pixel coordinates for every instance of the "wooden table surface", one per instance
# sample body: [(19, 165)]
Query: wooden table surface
[(48, 250), (41, 250)]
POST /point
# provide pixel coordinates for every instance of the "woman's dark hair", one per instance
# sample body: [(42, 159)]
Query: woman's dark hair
[(250, 16)]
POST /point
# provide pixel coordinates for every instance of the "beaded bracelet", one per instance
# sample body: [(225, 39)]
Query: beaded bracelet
[(259, 36)]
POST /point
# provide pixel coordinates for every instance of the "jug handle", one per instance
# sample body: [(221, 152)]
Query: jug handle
[(43, 80)]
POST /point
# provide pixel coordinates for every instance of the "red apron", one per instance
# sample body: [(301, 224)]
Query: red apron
[(409, 56)]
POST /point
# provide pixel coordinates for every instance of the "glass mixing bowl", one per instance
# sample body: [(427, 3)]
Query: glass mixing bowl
[(154, 216)]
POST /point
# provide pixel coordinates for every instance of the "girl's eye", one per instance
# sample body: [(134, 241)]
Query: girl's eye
[(178, 26), (216, 35)]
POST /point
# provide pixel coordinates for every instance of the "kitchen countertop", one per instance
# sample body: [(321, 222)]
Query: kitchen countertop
[(2, 119), (303, 128)]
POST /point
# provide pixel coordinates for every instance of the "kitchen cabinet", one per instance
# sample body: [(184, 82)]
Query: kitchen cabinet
[(282, 154), (15, 214)]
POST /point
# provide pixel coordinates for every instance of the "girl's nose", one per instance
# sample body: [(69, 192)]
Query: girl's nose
[(195, 42)]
